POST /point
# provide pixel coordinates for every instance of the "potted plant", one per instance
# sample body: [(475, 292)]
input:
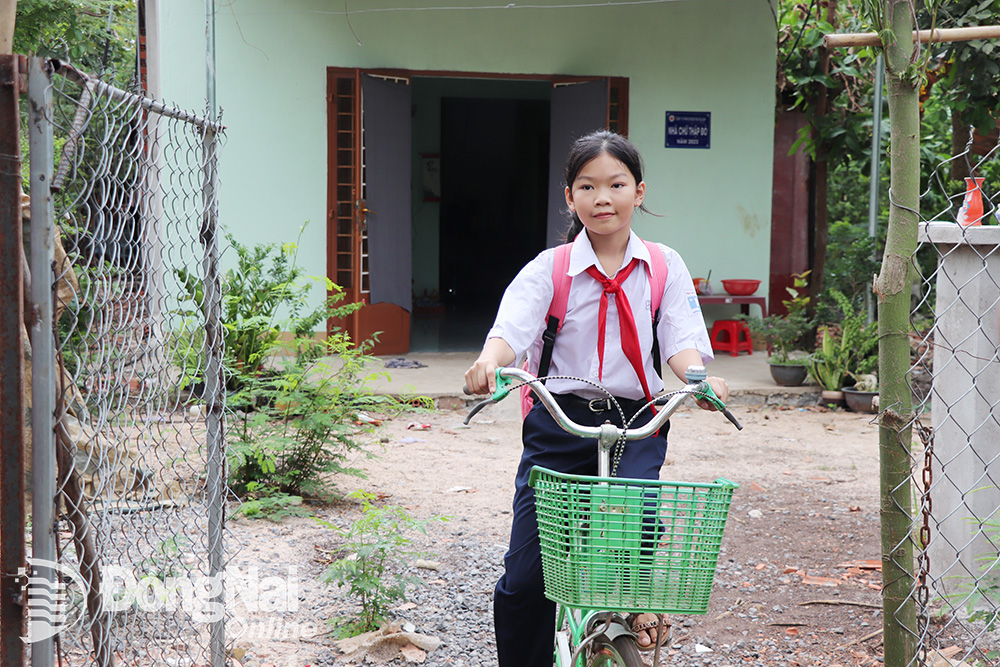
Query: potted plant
[(781, 334), (861, 397), (844, 351), (827, 366)]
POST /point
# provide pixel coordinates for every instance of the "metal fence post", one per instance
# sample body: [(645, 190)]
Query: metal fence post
[(43, 453), (12, 550), (214, 397)]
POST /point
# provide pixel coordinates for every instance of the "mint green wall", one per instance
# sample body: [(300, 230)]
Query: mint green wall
[(695, 55)]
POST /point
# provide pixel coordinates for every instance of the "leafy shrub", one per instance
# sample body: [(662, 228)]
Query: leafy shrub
[(850, 267), (306, 424), (784, 333), (378, 553), (781, 333), (853, 351), (295, 405), (266, 281)]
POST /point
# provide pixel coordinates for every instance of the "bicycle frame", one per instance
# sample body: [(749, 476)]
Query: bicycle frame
[(578, 620)]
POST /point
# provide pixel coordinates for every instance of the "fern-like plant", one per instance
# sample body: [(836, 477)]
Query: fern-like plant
[(379, 549)]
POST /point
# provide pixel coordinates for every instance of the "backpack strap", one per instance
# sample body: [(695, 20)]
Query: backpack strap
[(657, 283), (657, 274), (557, 309)]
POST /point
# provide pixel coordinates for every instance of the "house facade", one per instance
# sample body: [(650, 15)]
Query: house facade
[(424, 142)]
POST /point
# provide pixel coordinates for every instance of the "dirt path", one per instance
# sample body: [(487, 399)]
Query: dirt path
[(797, 582)]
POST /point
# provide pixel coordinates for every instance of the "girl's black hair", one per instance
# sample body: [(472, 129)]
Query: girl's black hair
[(588, 147)]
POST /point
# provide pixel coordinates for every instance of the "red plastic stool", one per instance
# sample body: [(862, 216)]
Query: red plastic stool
[(732, 336)]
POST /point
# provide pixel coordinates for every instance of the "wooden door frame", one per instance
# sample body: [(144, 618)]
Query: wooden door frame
[(343, 238), (345, 200)]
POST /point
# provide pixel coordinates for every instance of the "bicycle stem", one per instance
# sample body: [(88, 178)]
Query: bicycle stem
[(609, 435)]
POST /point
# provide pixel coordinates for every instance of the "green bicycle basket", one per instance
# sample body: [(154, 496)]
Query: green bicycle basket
[(629, 545)]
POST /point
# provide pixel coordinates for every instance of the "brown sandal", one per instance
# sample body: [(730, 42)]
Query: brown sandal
[(661, 637)]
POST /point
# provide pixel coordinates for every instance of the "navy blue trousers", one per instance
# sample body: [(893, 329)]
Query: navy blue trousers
[(524, 618)]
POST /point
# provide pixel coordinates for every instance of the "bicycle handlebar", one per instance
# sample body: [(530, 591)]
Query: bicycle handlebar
[(697, 386)]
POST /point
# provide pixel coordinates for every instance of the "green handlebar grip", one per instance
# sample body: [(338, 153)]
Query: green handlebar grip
[(709, 394), (503, 387)]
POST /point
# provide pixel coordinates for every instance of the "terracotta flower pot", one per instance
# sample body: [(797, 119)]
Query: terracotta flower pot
[(832, 396)]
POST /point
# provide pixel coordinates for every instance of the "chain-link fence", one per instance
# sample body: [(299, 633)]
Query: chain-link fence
[(956, 448), (124, 361)]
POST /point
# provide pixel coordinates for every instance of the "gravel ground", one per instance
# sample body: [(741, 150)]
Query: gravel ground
[(797, 582)]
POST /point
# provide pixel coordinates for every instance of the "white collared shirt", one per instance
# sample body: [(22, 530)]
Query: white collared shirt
[(520, 320)]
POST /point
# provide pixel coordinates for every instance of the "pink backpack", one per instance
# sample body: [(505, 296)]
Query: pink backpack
[(561, 282)]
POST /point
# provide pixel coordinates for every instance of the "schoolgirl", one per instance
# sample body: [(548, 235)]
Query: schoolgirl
[(607, 337)]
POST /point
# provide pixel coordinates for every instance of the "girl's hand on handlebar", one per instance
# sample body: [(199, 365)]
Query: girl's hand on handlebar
[(721, 389), (481, 378)]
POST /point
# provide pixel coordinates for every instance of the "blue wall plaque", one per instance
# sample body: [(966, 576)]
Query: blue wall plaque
[(689, 129)]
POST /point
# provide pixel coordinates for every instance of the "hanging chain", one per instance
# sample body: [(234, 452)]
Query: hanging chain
[(924, 560)]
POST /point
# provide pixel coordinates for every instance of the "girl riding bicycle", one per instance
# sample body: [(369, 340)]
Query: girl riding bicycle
[(608, 337)]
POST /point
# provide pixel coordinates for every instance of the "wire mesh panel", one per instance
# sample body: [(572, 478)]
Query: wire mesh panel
[(956, 457), (138, 396)]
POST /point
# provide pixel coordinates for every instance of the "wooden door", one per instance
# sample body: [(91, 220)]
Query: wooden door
[(349, 214)]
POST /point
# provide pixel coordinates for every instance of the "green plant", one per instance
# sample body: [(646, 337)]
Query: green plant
[(92, 34), (781, 333), (265, 283), (163, 562), (378, 548), (852, 351), (784, 333), (269, 503), (987, 586), (799, 299), (851, 265), (306, 424), (828, 364)]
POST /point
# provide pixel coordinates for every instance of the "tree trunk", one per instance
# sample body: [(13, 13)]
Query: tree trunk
[(821, 223), (961, 137), (892, 288), (821, 217), (8, 11)]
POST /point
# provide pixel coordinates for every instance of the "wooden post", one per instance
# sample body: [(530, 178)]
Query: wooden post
[(12, 403), (848, 39), (892, 288)]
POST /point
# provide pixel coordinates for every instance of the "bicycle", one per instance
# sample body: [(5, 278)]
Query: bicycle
[(615, 546)]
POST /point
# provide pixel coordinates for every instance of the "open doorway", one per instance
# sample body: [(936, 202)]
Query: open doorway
[(494, 203), (431, 260)]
